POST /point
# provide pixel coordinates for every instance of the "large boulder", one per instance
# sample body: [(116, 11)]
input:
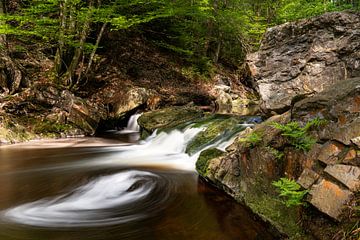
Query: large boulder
[(302, 58), (133, 99)]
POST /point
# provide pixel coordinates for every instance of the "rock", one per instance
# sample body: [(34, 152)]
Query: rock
[(79, 112), (216, 127), (245, 107), (329, 198), (132, 100), (349, 157), (349, 132), (308, 178), (306, 57), (330, 151), (10, 74), (348, 175), (168, 117), (223, 102), (356, 141), (339, 103), (202, 164), (222, 87)]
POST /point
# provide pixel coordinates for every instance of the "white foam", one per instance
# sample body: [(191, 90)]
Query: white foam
[(87, 204)]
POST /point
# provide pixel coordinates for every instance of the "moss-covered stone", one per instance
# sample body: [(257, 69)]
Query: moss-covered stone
[(215, 129), (168, 117), (271, 209), (203, 161)]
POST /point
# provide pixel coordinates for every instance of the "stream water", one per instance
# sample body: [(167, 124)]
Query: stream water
[(116, 188)]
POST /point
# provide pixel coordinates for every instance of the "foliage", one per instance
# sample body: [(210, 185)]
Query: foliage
[(297, 9), (297, 135), (252, 139), (203, 32), (277, 154), (291, 191)]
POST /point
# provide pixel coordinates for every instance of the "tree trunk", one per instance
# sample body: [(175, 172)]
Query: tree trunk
[(60, 49), (69, 75), (95, 47)]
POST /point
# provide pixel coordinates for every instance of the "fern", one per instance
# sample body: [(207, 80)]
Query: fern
[(297, 135), (252, 139), (291, 191)]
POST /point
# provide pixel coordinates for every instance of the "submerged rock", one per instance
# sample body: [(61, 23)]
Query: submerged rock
[(305, 57)]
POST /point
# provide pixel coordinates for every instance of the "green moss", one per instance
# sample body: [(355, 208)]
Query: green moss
[(252, 139), (272, 210), (279, 155), (203, 161), (214, 131), (168, 118), (46, 127)]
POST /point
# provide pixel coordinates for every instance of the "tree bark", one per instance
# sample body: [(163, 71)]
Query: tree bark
[(69, 75), (95, 47), (60, 49)]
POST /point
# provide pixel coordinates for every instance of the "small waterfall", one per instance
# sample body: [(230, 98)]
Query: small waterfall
[(132, 125), (110, 199)]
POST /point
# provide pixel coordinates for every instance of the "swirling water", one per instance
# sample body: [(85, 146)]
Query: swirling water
[(96, 189)]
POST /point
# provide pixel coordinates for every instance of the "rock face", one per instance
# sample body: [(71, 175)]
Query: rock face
[(305, 57), (330, 171)]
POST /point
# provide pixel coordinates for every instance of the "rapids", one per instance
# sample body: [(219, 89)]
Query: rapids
[(143, 190)]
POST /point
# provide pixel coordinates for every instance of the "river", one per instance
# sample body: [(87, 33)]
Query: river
[(115, 187)]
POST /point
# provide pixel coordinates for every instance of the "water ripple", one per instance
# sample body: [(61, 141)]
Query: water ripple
[(123, 197)]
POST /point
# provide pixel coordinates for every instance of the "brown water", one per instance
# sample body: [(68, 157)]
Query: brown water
[(74, 192)]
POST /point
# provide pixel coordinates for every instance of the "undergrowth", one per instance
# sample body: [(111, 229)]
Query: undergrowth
[(298, 136), (291, 191)]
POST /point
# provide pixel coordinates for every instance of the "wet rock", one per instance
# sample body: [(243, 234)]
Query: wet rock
[(348, 175), (306, 57), (308, 178), (168, 117), (329, 198), (202, 164), (216, 127)]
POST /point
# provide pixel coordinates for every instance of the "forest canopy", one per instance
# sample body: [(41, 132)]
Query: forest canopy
[(204, 32)]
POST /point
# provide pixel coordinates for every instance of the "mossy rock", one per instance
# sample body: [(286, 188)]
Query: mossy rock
[(272, 210), (203, 161), (215, 129), (168, 117)]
